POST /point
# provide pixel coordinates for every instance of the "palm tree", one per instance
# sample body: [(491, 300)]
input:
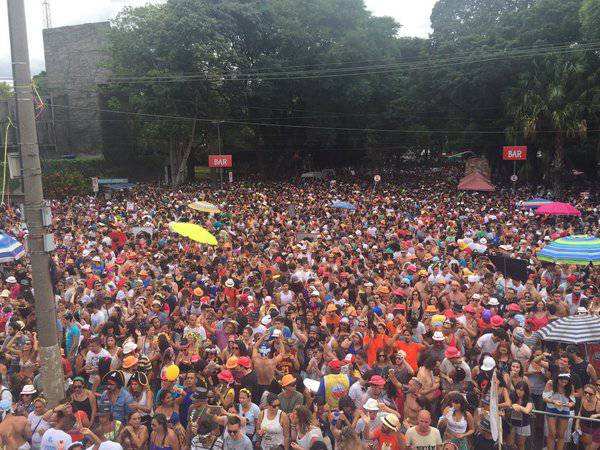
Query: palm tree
[(550, 98)]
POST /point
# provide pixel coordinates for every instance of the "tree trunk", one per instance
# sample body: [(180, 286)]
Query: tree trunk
[(181, 170), (559, 161)]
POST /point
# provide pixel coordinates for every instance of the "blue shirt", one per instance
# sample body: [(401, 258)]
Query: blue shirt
[(120, 409), (72, 335)]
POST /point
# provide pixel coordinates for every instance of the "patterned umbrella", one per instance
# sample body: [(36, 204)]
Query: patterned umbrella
[(10, 249), (204, 207), (579, 329), (578, 249), (558, 209), (534, 203)]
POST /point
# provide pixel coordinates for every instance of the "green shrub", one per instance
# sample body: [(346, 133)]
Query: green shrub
[(61, 184)]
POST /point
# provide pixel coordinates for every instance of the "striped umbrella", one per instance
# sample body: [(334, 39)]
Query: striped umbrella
[(579, 329), (577, 249), (343, 205), (204, 207), (533, 203), (10, 249)]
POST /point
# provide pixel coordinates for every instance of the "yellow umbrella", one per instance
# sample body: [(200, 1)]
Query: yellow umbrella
[(204, 207), (194, 232)]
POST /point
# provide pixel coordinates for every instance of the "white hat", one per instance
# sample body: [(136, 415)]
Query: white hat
[(229, 283), (28, 389), (438, 336), (493, 301), (472, 279), (371, 405), (268, 298), (476, 296), (5, 293), (110, 445), (11, 279), (266, 320), (96, 259), (488, 363), (85, 252), (129, 347), (582, 310), (276, 333), (483, 241)]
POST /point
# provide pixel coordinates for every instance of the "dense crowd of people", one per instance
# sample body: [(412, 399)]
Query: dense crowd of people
[(307, 327)]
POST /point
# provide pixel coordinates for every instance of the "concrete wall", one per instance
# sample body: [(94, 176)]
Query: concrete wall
[(76, 61)]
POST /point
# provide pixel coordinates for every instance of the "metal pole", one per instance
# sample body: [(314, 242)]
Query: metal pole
[(514, 173), (219, 143), (45, 308)]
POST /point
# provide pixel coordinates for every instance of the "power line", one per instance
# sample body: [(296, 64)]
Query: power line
[(311, 127), (353, 71)]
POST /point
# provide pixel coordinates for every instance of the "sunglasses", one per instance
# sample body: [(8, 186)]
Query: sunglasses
[(589, 393), (275, 405)]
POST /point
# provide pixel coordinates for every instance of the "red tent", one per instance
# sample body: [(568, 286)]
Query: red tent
[(475, 182)]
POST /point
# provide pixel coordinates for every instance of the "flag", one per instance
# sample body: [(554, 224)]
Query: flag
[(495, 421)]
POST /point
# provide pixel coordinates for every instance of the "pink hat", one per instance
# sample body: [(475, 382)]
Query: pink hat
[(244, 361), (376, 380), (496, 321), (225, 375), (452, 352), (514, 307), (469, 309)]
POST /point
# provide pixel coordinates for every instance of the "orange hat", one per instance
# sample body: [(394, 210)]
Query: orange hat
[(129, 361), (198, 292), (287, 380), (331, 308), (232, 362)]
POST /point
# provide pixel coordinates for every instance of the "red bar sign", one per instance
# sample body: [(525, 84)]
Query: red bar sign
[(219, 161), (514, 153)]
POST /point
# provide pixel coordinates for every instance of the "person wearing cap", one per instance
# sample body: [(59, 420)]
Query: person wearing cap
[(388, 435), (289, 397), (449, 366), (559, 397), (334, 385), (117, 396)]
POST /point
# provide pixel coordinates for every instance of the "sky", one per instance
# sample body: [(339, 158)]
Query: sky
[(413, 15)]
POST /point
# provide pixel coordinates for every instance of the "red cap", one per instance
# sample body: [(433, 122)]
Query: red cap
[(244, 361), (344, 275), (226, 375), (571, 279), (376, 380), (279, 259), (496, 321), (335, 364), (452, 352)]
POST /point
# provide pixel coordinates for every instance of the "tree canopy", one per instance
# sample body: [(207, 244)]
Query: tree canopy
[(284, 79)]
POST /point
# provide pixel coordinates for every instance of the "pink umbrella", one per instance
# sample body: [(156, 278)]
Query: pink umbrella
[(558, 209)]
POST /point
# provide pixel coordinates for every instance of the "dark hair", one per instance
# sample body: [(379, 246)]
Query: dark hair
[(234, 420), (318, 445), (568, 387), (525, 387), (271, 398), (162, 421), (430, 362), (456, 397), (521, 368)]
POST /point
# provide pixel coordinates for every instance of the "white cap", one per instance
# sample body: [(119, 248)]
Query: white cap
[(438, 336), (371, 405), (268, 298), (493, 301), (483, 241), (129, 347), (488, 363), (276, 333), (476, 296)]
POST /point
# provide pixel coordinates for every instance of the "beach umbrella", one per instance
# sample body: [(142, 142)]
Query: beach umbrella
[(579, 329), (533, 203), (343, 205), (204, 207), (194, 232), (558, 209), (577, 249), (10, 249)]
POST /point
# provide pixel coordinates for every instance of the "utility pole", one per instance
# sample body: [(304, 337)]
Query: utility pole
[(45, 307), (218, 122)]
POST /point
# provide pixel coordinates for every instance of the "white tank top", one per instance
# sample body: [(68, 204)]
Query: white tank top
[(286, 299), (457, 427), (273, 436)]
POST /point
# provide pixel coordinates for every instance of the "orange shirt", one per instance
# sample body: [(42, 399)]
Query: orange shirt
[(412, 350), (388, 441), (376, 343), (335, 320)]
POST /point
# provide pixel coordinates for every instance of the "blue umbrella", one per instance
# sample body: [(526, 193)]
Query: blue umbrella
[(343, 205), (10, 249)]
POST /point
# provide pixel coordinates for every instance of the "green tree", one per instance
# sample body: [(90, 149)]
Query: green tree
[(552, 98), (6, 90)]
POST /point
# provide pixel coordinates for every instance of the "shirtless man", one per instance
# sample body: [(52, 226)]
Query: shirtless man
[(455, 295), (411, 406), (14, 430), (265, 366)]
